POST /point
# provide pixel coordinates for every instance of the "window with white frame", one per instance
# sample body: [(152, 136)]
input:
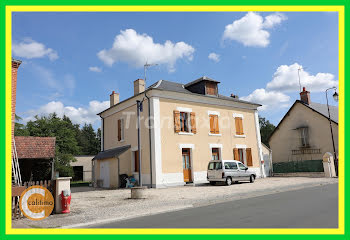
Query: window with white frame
[(120, 129)]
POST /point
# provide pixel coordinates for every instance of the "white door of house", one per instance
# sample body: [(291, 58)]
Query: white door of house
[(267, 165), (104, 173)]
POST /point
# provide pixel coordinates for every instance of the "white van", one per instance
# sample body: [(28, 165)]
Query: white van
[(228, 171)]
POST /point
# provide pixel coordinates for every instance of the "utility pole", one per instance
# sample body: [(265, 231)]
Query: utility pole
[(146, 66), (335, 97), (139, 108)]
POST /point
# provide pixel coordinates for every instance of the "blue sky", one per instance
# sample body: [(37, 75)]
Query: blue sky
[(72, 61)]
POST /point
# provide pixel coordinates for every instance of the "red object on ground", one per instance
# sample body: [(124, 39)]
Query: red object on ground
[(65, 203)]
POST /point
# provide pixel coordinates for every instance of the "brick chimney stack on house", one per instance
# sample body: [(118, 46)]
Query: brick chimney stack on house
[(15, 65), (139, 86), (114, 98), (305, 96)]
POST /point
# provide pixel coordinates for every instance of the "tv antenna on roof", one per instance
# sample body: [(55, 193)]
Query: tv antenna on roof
[(300, 69), (146, 66)]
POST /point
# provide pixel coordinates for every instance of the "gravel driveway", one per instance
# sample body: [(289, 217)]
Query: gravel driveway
[(91, 206)]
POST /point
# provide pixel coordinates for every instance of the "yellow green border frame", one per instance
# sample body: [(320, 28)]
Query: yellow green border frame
[(11, 233)]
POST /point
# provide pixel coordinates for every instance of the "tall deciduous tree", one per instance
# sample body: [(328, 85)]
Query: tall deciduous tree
[(266, 128)]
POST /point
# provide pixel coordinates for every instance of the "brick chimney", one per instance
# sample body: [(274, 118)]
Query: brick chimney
[(305, 96), (139, 86), (15, 65), (113, 98)]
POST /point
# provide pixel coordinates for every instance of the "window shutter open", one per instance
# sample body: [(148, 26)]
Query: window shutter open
[(211, 118), (217, 124), (239, 126), (249, 157), (235, 154), (119, 130), (176, 121), (193, 122)]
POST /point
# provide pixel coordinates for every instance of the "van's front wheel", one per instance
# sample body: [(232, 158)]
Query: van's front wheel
[(228, 181)]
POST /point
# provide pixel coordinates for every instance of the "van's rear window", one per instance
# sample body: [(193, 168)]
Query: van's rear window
[(214, 166)]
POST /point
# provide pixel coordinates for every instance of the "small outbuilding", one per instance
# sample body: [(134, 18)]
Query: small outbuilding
[(36, 157)]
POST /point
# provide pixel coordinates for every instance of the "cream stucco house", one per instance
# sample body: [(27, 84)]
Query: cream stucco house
[(190, 124), (303, 136)]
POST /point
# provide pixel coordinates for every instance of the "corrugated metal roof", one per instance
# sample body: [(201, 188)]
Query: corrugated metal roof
[(110, 153)]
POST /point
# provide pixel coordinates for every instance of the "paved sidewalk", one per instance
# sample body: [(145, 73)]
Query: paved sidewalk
[(91, 206)]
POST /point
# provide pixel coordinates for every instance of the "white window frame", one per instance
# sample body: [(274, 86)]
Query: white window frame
[(215, 145), (122, 130), (188, 111), (216, 113), (238, 115), (244, 147)]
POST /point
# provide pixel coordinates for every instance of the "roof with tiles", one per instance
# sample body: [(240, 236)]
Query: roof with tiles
[(35, 147)]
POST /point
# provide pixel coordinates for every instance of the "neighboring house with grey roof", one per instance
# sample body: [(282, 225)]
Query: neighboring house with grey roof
[(304, 135), (191, 124)]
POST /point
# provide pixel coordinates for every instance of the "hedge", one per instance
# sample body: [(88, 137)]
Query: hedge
[(298, 166)]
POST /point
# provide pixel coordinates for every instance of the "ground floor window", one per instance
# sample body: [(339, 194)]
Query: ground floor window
[(238, 154), (215, 154)]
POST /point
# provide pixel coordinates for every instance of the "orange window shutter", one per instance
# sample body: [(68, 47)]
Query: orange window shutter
[(119, 130), (211, 117), (249, 157), (237, 126), (241, 126), (217, 124), (235, 154), (193, 122), (176, 121)]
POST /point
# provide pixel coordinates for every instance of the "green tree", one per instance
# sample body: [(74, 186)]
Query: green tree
[(266, 128), (88, 140), (20, 129), (66, 142), (99, 137)]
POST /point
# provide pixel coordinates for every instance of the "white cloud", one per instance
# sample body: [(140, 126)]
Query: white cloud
[(95, 69), (77, 115), (251, 30), (270, 100), (29, 48), (273, 19), (135, 49), (59, 84), (215, 57), (285, 79)]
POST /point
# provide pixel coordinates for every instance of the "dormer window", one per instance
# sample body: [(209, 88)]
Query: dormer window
[(204, 86), (211, 88)]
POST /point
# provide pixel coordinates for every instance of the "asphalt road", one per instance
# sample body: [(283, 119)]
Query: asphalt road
[(314, 207)]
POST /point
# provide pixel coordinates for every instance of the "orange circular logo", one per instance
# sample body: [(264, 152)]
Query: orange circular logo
[(36, 203)]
